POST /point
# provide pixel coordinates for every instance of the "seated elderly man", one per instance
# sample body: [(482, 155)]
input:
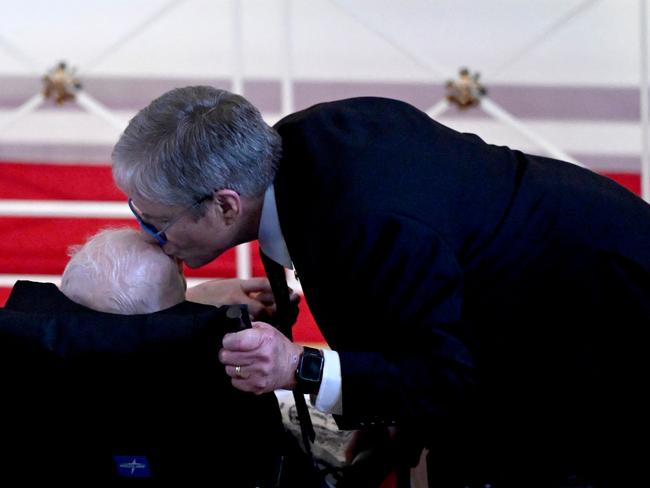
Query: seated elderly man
[(96, 394), (116, 271)]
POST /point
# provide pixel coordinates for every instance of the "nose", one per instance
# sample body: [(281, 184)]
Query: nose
[(148, 237)]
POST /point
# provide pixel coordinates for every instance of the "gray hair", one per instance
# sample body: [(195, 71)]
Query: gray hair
[(117, 271), (192, 141)]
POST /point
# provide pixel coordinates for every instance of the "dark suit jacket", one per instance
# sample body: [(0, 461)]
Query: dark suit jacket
[(81, 387), (476, 295)]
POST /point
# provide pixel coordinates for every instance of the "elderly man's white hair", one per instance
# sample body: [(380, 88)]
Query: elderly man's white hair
[(117, 271)]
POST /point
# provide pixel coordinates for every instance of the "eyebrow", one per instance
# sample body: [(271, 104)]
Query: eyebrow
[(147, 216)]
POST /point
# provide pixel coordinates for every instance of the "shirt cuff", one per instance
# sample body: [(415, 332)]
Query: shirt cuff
[(329, 398)]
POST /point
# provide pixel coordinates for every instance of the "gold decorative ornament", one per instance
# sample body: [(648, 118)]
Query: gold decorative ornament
[(60, 83), (466, 91)]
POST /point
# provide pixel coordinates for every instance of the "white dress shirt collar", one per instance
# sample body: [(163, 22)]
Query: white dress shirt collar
[(270, 235)]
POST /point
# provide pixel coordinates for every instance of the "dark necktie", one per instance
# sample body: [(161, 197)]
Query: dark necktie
[(286, 312), (286, 315)]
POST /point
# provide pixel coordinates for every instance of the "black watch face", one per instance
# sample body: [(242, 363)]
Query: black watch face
[(311, 368)]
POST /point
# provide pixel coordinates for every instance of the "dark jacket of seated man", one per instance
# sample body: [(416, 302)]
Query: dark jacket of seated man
[(97, 397)]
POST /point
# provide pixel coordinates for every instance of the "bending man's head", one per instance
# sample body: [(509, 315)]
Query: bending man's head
[(117, 271), (193, 141), (196, 164)]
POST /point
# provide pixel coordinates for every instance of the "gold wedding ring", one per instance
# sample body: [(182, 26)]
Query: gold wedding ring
[(238, 372)]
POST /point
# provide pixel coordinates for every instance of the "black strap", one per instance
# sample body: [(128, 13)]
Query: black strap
[(284, 319), (286, 313)]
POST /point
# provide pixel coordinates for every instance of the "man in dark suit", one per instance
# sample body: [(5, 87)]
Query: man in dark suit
[(485, 302)]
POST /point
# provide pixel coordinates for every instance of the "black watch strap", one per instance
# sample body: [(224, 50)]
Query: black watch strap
[(309, 373)]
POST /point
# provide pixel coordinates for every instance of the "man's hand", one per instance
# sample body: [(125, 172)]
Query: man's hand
[(364, 442), (254, 292), (260, 359)]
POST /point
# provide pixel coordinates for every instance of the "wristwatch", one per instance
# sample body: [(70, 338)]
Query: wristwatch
[(309, 373)]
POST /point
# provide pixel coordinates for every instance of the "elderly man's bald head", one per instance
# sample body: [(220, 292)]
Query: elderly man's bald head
[(117, 271)]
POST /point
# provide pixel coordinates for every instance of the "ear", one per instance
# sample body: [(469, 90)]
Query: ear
[(229, 204)]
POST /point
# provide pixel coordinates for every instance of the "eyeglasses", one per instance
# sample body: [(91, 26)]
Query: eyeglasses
[(153, 231)]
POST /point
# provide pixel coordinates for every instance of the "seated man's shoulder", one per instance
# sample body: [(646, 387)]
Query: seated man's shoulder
[(31, 296)]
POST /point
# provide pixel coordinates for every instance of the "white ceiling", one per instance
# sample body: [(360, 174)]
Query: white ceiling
[(564, 41)]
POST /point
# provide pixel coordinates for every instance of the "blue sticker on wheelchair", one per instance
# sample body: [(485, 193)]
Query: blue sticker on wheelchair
[(132, 466)]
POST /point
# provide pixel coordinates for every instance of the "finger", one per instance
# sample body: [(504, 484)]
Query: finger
[(244, 385), (234, 358), (351, 449), (237, 372), (262, 326), (265, 315), (253, 285), (255, 307), (245, 340), (266, 298)]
